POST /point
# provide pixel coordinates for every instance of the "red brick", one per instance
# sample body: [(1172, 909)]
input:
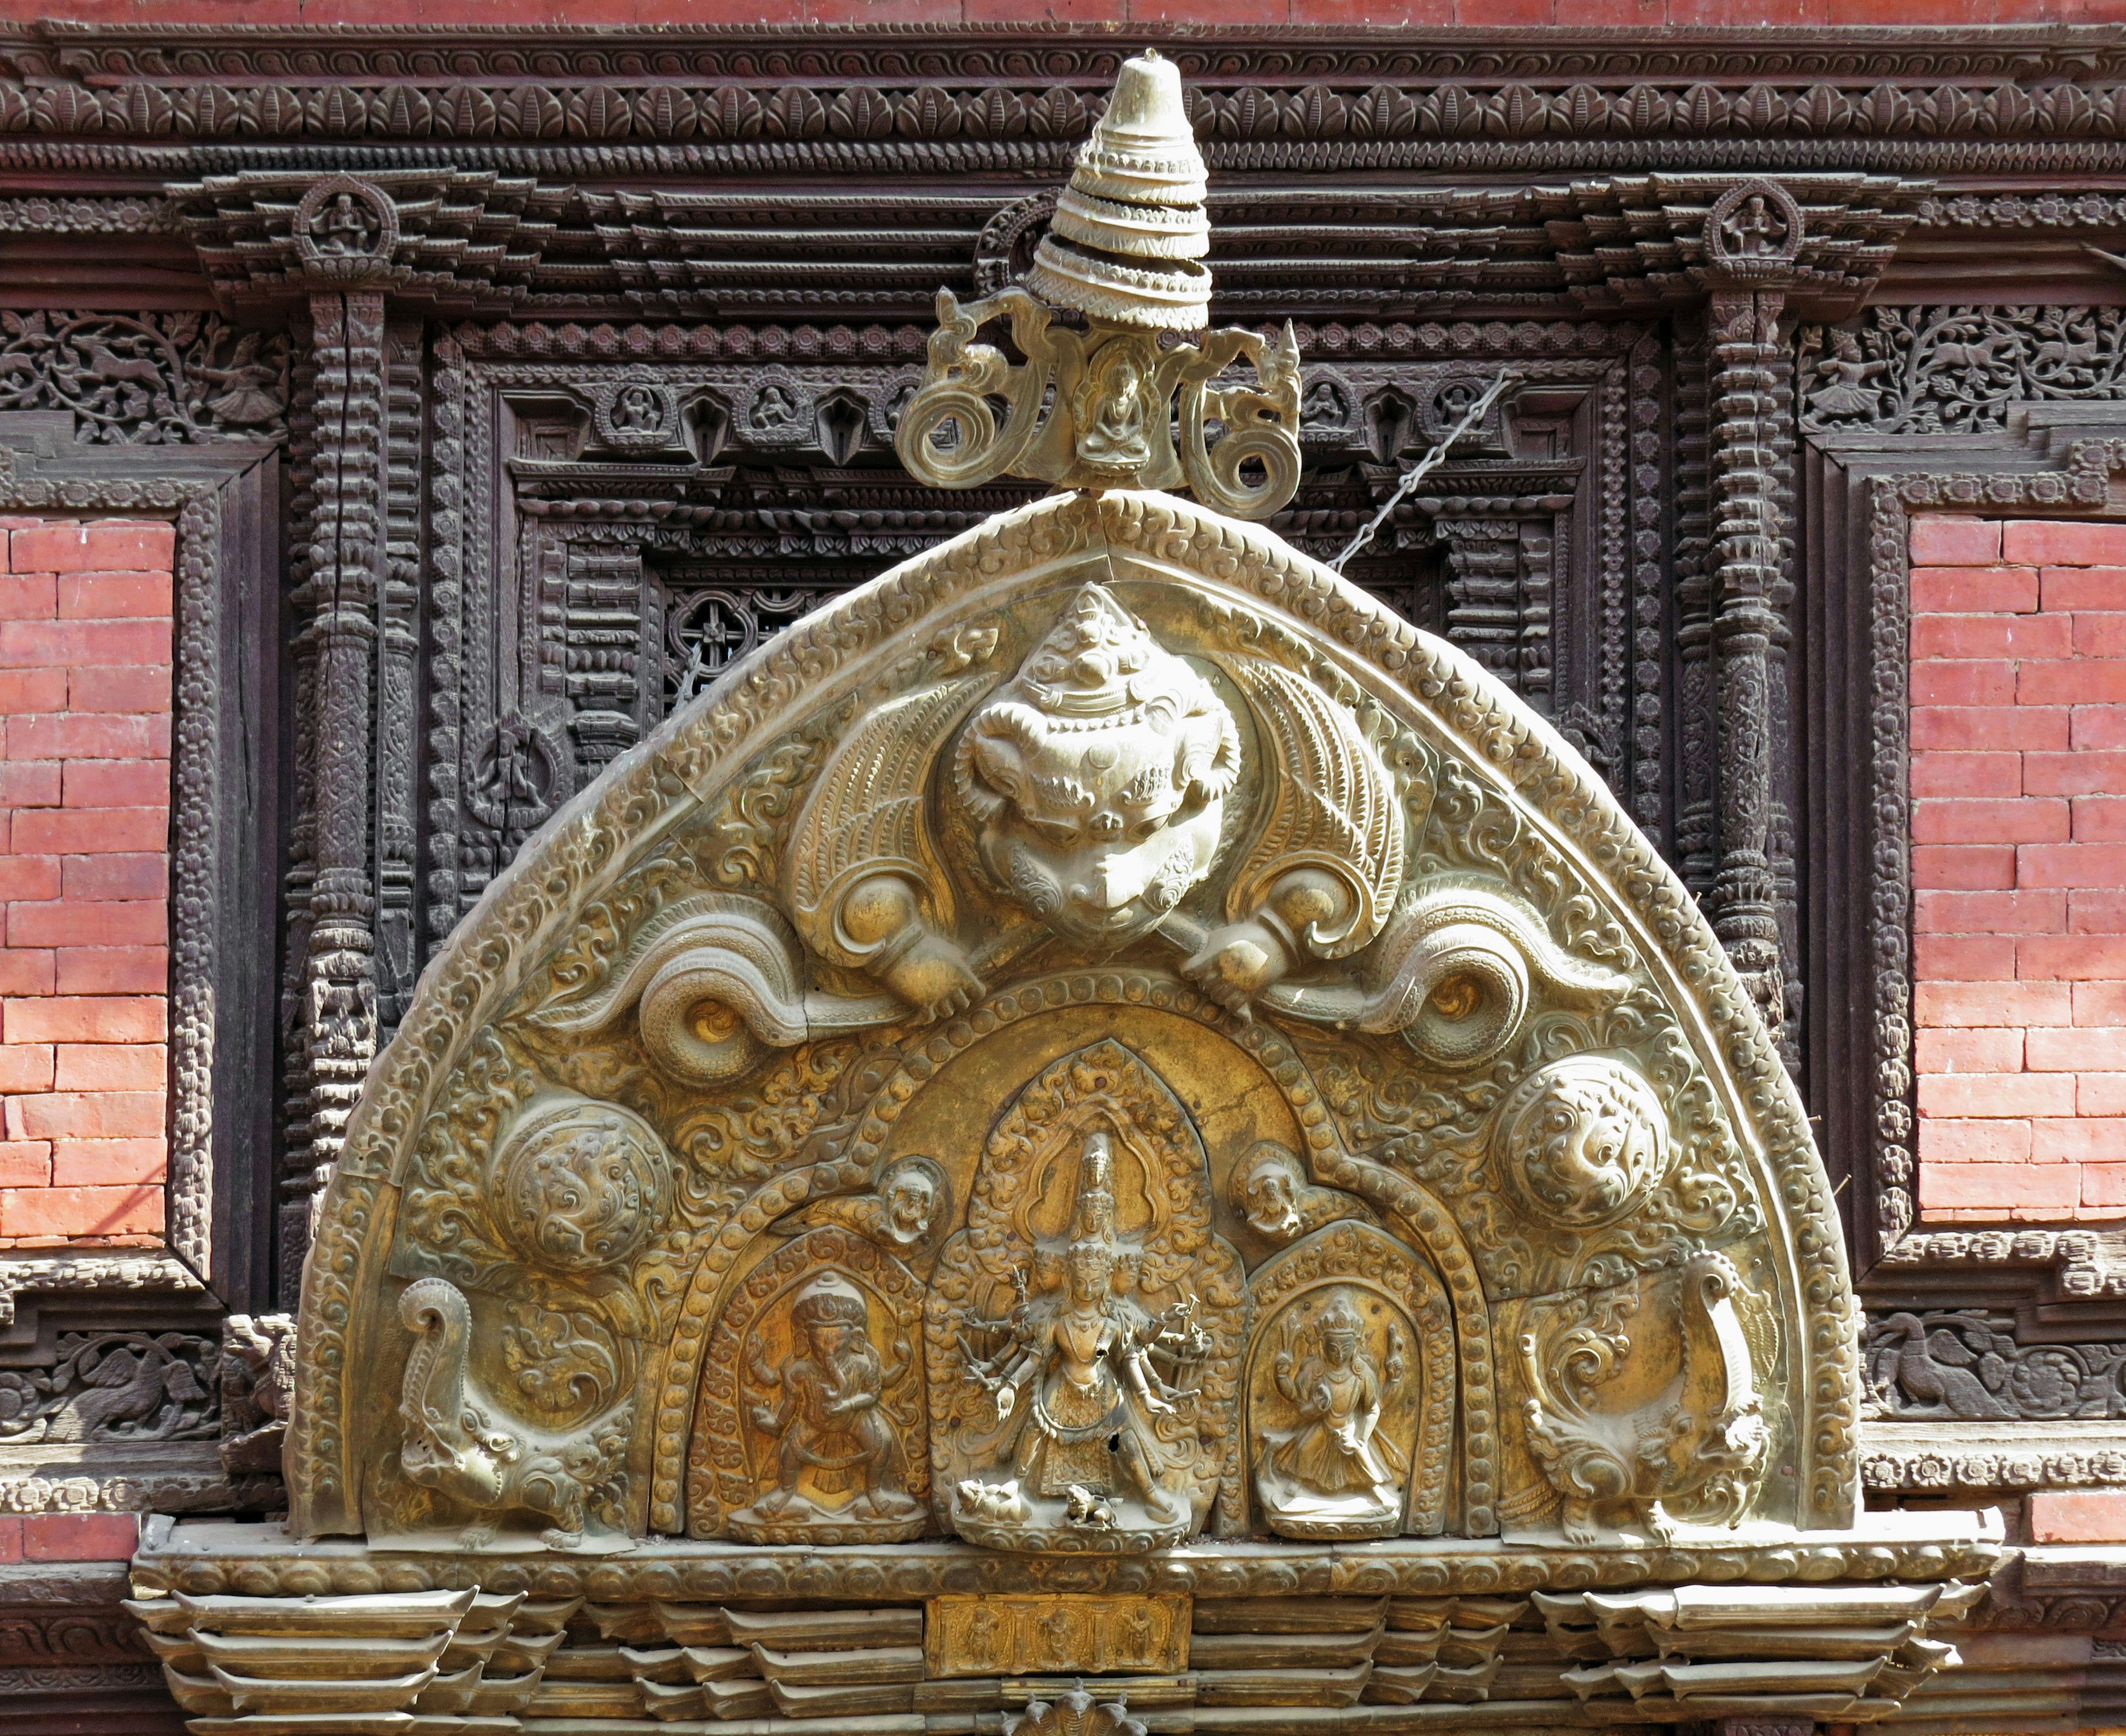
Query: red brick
[(2083, 587), (146, 691), (2093, 771), (2074, 681), (2097, 635), (2078, 1139), (110, 545), (2047, 539), (2099, 820), (1994, 729), (80, 922), (27, 971), (32, 689), (30, 783), (2101, 1094), (32, 598), (2098, 1004), (109, 1067), (2103, 1184), (85, 735), (80, 1536), (108, 1163), (29, 644), (2030, 819), (1964, 867), (1955, 542), (1976, 774), (91, 1114), (2096, 912), (1974, 1141), (1989, 912), (1974, 590), (2026, 1190), (1980, 681), (1988, 1096), (1994, 1003), (2070, 958), (26, 1067), (1963, 958), (1974, 1050), (86, 831), (2097, 726), (29, 877), (81, 1211), (117, 783), (113, 596), (146, 876), (2070, 1049), (2036, 864), (127, 970), (1949, 636), (2077, 1515), (25, 1163), (86, 1019)]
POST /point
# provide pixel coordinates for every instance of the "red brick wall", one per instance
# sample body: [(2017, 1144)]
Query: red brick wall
[(2018, 867), (84, 871)]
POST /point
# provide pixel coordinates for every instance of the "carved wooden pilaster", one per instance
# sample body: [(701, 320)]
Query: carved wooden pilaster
[(1744, 622), (338, 1010), (1483, 591), (1696, 781), (1752, 237)]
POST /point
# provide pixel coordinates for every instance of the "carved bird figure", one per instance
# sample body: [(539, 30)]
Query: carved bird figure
[(1935, 1368)]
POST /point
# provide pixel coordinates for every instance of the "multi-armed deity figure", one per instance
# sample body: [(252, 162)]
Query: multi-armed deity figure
[(1098, 1420), (1337, 1450), (832, 1440)]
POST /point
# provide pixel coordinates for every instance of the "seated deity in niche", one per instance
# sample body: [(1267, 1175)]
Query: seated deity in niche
[(1082, 1410), (1334, 1471), (836, 1453)]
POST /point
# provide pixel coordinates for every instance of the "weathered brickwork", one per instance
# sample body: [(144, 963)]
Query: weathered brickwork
[(84, 823), (2018, 867)]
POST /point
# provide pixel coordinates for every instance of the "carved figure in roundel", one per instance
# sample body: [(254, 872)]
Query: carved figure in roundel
[(1582, 1139), (580, 1187), (1098, 775)]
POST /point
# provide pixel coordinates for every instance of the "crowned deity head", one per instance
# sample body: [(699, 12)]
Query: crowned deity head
[(1098, 774), (1093, 1254), (1341, 1328)]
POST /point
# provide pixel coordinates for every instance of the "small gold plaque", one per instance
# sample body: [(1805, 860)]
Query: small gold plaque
[(1062, 1633)]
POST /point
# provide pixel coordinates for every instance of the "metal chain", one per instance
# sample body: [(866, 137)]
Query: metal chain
[(1431, 461)]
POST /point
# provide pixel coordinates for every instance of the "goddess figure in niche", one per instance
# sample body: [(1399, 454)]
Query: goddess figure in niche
[(1338, 1392), (1335, 1472), (1096, 1418)]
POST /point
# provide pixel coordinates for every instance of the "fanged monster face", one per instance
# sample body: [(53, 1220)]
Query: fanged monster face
[(1098, 776)]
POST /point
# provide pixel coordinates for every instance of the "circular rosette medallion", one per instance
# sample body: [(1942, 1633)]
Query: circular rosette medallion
[(1582, 1140), (580, 1187)]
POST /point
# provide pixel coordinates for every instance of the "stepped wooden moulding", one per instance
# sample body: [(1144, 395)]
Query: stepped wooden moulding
[(1193, 1146)]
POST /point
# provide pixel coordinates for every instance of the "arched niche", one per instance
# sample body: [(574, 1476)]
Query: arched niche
[(1109, 769)]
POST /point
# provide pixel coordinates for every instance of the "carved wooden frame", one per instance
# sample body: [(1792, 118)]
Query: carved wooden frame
[(224, 503), (1852, 738)]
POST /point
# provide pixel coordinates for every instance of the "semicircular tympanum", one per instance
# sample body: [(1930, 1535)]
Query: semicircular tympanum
[(1104, 1036)]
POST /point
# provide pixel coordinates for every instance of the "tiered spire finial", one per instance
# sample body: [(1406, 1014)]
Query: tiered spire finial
[(1096, 411)]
